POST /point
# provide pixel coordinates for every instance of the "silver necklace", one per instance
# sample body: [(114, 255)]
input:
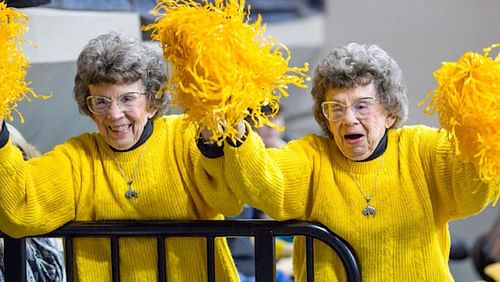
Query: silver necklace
[(131, 192), (369, 210)]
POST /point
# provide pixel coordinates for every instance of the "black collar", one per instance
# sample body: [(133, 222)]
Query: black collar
[(381, 147), (148, 130)]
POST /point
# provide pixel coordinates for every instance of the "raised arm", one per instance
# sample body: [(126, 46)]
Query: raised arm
[(276, 181), (37, 195)]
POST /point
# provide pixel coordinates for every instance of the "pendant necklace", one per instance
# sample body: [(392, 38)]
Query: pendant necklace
[(369, 210), (131, 192)]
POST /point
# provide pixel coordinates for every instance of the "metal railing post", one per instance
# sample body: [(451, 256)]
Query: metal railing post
[(15, 259)]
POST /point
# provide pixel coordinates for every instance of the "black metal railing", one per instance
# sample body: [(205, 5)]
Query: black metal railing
[(263, 232)]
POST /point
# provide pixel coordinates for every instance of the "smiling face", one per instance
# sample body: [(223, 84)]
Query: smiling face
[(357, 135), (121, 129)]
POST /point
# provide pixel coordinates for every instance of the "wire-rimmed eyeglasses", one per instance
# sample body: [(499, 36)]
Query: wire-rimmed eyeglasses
[(335, 111), (100, 105)]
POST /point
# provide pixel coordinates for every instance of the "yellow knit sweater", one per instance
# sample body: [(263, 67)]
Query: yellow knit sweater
[(422, 187), (80, 181)]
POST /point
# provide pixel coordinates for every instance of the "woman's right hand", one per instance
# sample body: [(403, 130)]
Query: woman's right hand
[(241, 128), (206, 134)]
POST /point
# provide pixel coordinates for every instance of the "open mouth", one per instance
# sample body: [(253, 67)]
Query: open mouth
[(353, 136)]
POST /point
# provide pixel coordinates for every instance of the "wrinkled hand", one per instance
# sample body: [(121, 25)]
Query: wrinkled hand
[(241, 128), (206, 134)]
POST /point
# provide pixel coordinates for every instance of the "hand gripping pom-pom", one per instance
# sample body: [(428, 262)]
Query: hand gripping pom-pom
[(224, 69)]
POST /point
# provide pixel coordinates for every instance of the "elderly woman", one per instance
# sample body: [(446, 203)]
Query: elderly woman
[(390, 191), (139, 166)]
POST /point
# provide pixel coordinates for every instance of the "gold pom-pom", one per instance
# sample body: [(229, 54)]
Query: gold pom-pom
[(224, 69), (467, 101), (13, 62)]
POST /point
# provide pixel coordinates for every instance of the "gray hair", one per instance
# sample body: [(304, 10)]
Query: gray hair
[(356, 65), (113, 58)]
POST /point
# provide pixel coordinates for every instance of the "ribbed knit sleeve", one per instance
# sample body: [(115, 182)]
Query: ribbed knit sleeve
[(277, 181), (208, 174), (37, 195), (454, 185)]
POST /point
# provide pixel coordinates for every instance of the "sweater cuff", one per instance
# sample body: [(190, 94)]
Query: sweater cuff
[(210, 150), (4, 135)]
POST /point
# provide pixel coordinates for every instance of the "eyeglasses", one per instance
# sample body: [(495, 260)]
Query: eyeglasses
[(335, 111), (100, 105)]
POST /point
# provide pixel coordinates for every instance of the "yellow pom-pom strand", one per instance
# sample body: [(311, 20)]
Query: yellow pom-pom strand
[(224, 69), (467, 100), (13, 62)]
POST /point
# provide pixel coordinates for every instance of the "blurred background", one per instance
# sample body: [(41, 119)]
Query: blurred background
[(420, 35)]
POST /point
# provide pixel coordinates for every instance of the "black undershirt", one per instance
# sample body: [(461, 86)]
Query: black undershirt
[(381, 147), (148, 130), (4, 136)]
